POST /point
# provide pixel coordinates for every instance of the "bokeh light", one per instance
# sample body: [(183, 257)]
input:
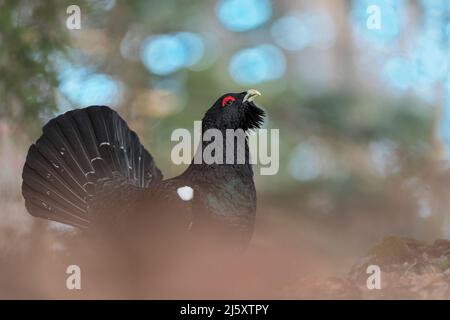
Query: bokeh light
[(243, 15), (257, 64), (399, 73), (130, 45), (83, 86), (430, 60), (391, 20), (213, 49), (306, 163), (297, 31), (291, 33), (168, 53)]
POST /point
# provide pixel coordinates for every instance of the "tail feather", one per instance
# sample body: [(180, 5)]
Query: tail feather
[(68, 169), (56, 189), (55, 214), (105, 137), (61, 181), (86, 135), (69, 131), (77, 151), (52, 195), (56, 148)]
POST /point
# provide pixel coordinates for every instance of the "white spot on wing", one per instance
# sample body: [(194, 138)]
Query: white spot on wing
[(186, 193)]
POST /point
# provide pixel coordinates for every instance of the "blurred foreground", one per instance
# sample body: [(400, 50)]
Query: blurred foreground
[(364, 144), (289, 258)]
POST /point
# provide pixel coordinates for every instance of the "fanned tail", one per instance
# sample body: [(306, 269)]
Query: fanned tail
[(77, 151)]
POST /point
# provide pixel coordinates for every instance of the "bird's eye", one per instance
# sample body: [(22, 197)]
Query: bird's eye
[(227, 101)]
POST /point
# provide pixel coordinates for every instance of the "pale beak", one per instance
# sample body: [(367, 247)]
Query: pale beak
[(251, 95)]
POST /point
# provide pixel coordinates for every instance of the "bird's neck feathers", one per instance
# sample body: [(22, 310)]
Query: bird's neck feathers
[(228, 157)]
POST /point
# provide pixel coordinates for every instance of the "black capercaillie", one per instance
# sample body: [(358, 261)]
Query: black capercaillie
[(89, 170)]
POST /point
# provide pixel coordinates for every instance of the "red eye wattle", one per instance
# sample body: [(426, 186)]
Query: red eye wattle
[(227, 99)]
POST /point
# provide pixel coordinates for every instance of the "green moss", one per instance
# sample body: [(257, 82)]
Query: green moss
[(444, 264), (395, 250)]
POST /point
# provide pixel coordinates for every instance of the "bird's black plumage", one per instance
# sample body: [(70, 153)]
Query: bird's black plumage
[(89, 170)]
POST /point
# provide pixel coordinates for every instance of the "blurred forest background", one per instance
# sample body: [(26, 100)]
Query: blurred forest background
[(363, 113)]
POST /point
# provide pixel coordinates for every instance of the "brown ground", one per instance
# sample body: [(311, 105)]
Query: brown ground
[(290, 257)]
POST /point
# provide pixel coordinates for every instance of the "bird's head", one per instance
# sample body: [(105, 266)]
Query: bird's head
[(235, 111)]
